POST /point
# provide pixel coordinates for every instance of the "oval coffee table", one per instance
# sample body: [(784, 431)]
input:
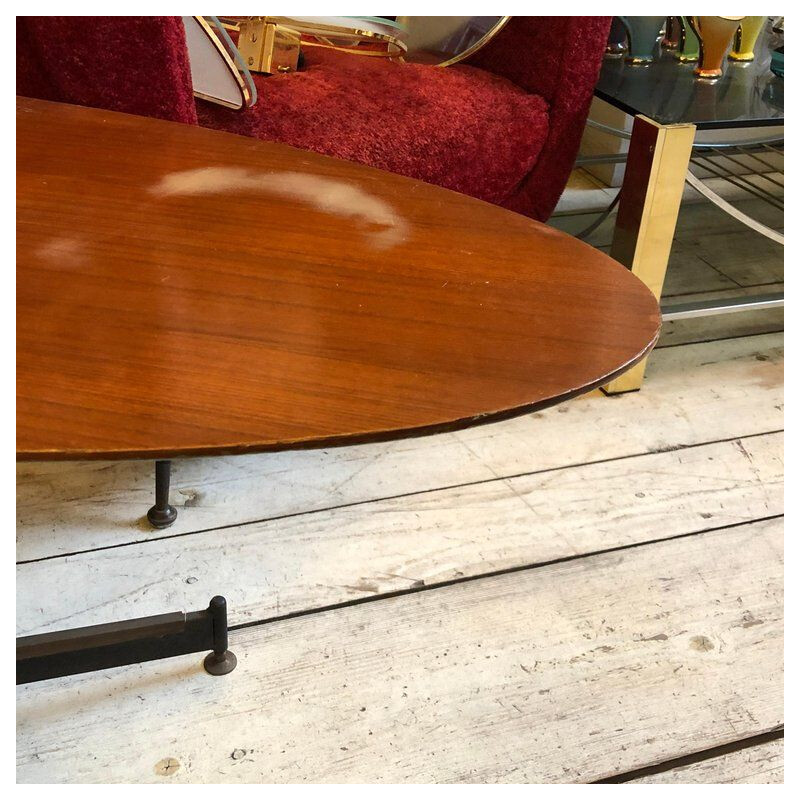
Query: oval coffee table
[(182, 291)]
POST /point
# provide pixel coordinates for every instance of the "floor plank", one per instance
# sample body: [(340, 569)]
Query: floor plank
[(689, 273), (699, 218), (547, 675), (745, 258), (761, 763), (582, 668), (697, 393), (314, 560)]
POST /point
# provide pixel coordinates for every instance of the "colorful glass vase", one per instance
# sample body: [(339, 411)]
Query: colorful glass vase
[(688, 43), (744, 41), (617, 43), (672, 34), (716, 36), (643, 33)]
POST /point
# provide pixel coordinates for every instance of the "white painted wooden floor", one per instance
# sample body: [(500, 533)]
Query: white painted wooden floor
[(590, 593)]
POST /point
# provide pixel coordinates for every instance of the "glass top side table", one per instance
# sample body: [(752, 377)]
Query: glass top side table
[(670, 105), (667, 91)]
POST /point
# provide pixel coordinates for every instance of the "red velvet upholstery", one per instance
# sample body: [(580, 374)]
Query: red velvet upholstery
[(558, 58), (135, 64), (464, 129), (504, 128)]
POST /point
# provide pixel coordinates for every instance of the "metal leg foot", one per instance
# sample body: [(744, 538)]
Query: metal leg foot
[(162, 514), (221, 661)]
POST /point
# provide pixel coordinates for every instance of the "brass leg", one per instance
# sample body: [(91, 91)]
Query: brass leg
[(658, 158)]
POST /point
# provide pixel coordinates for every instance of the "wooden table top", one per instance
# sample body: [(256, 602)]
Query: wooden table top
[(184, 291)]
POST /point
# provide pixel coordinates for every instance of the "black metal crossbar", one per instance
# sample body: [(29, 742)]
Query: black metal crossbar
[(52, 655)]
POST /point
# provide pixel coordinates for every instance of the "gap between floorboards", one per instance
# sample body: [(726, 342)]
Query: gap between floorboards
[(358, 601), (436, 490), (695, 758)]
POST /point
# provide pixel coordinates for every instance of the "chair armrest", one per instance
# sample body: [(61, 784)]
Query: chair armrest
[(548, 56), (559, 59), (138, 65)]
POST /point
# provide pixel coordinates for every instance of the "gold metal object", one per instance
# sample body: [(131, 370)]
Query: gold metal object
[(688, 43), (658, 159), (266, 46), (345, 39), (272, 44)]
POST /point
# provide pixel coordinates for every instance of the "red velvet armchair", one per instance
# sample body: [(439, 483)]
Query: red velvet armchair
[(504, 126)]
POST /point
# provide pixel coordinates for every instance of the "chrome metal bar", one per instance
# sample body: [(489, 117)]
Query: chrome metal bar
[(773, 169), (608, 159), (600, 220), (619, 158), (739, 181), (740, 153), (608, 129), (724, 172), (625, 135), (728, 208), (749, 143), (708, 308), (760, 148)]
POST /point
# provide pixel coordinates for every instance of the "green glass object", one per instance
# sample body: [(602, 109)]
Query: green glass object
[(689, 44)]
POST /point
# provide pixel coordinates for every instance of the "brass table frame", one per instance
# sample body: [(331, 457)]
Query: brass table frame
[(650, 200), (649, 203)]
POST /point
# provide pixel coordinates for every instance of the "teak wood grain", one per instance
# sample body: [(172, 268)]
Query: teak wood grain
[(184, 291)]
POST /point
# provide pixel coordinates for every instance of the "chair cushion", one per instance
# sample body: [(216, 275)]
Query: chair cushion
[(458, 127)]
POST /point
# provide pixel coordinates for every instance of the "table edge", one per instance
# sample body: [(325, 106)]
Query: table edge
[(338, 440)]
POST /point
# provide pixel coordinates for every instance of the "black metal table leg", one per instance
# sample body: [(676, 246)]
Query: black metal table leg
[(162, 514), (70, 652), (221, 661)]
